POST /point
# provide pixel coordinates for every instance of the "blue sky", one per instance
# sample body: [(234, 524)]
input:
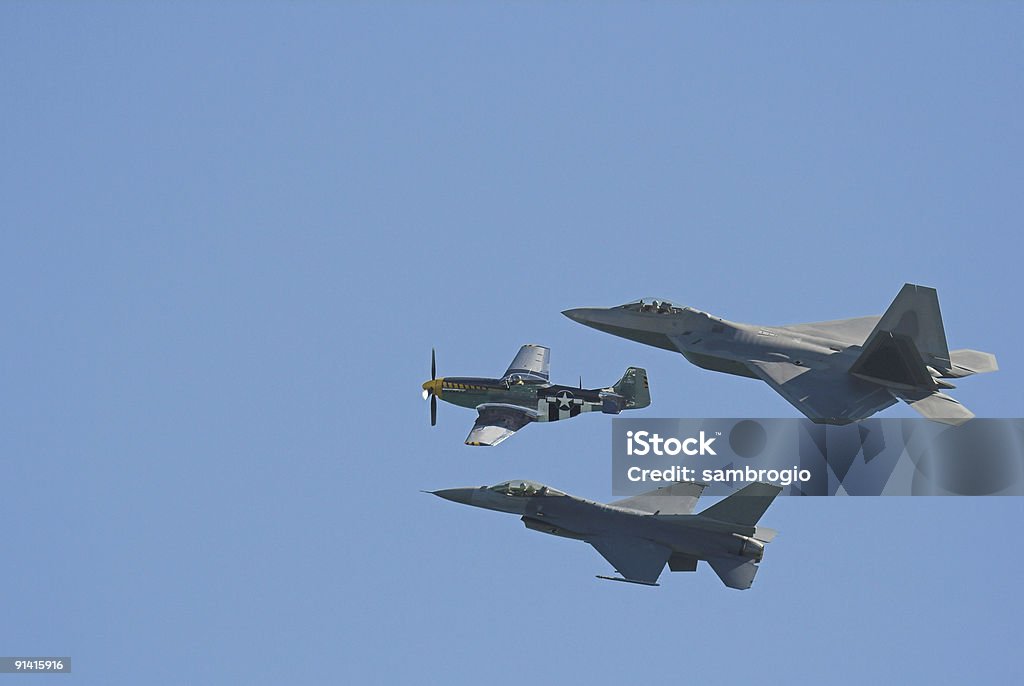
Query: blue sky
[(233, 232)]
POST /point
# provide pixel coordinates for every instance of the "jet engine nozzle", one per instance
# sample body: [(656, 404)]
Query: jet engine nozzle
[(750, 547)]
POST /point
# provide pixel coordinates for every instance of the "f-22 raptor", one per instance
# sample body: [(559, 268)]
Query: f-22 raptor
[(834, 372), (525, 395), (639, 535)]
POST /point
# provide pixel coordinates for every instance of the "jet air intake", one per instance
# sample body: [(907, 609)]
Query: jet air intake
[(545, 527)]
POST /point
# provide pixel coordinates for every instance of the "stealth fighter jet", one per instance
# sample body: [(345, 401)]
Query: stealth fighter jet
[(525, 395), (835, 372), (638, 535)]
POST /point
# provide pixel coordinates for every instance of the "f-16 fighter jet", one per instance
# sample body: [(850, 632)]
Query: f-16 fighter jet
[(525, 395), (835, 372), (639, 535)]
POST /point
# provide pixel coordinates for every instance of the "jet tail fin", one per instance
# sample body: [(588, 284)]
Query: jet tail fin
[(633, 386), (915, 315), (892, 360), (745, 506), (907, 350)]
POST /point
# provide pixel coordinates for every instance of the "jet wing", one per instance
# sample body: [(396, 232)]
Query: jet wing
[(636, 559), (679, 498), (497, 421), (735, 572), (823, 394), (849, 331), (936, 406), (532, 361)]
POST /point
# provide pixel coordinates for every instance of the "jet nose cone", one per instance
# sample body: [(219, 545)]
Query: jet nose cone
[(577, 315), (456, 495), (588, 316)]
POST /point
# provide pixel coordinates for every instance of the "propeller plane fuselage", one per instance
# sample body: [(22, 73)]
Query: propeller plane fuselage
[(525, 395), (471, 391)]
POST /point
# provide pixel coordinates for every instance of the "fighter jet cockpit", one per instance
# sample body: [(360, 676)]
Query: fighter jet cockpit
[(524, 489), (652, 305)]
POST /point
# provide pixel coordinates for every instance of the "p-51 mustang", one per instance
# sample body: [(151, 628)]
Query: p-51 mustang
[(525, 395)]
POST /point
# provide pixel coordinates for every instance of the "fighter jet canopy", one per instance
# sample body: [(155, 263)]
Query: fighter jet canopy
[(655, 305), (524, 489)]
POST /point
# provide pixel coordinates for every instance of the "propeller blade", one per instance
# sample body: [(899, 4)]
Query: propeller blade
[(433, 410), (433, 365)]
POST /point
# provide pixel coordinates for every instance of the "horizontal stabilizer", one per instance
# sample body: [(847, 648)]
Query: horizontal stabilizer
[(967, 362), (679, 499), (612, 403), (936, 406), (735, 572), (763, 533), (745, 506)]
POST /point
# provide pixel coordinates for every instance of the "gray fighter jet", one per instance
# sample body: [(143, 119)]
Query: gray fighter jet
[(835, 372), (639, 535), (525, 395)]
